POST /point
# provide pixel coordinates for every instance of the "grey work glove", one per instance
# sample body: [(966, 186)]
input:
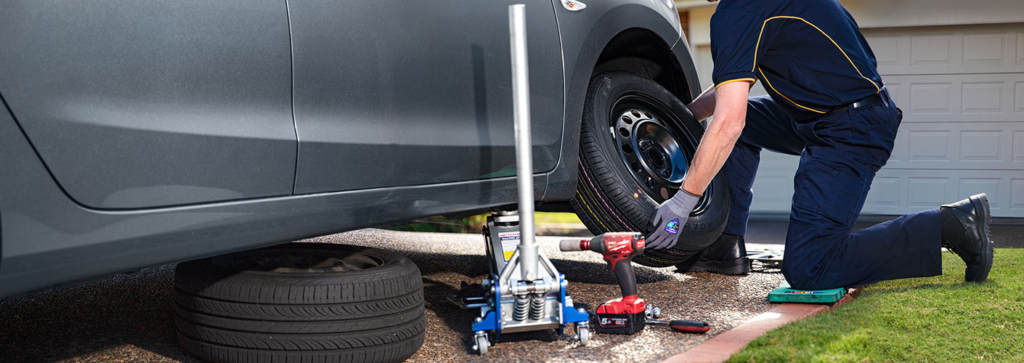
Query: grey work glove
[(669, 219)]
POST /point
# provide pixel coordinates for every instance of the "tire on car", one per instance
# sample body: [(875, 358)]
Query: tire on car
[(636, 143), (300, 302)]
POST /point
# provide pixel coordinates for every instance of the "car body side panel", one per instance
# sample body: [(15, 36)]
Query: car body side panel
[(584, 35), (391, 93), (141, 104), (48, 239), (1, 228)]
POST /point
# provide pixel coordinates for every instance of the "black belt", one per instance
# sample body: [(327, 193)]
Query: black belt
[(880, 98)]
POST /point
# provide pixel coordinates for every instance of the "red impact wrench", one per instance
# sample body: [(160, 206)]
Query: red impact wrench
[(628, 314), (625, 315)]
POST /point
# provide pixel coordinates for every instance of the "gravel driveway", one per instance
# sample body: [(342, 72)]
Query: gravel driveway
[(128, 318)]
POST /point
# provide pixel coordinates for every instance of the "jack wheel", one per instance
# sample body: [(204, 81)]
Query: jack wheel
[(481, 344), (584, 334)]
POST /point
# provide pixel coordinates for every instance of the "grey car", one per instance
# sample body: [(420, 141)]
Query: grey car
[(138, 133)]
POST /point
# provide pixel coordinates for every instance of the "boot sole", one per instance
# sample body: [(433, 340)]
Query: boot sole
[(984, 232)]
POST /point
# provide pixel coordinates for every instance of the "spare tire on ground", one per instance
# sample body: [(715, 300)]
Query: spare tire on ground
[(300, 302), (636, 143)]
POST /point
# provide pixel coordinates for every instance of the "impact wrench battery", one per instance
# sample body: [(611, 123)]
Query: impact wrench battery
[(627, 314)]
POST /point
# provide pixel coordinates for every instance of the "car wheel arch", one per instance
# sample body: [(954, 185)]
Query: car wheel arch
[(644, 53), (598, 40)]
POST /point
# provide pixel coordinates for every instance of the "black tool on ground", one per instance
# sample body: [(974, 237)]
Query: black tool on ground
[(686, 326), (625, 315)]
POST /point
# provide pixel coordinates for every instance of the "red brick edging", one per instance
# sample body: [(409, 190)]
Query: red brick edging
[(722, 346)]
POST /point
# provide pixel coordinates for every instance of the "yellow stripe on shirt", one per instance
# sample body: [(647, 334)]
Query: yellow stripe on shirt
[(758, 46), (751, 80), (769, 83)]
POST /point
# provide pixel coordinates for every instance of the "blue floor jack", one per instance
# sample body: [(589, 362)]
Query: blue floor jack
[(524, 291)]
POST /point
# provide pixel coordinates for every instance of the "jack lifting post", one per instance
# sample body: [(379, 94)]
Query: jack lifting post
[(524, 291), (524, 151)]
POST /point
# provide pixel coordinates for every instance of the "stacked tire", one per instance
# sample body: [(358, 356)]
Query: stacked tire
[(301, 303)]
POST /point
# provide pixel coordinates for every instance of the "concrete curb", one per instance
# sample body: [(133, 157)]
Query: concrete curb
[(723, 346)]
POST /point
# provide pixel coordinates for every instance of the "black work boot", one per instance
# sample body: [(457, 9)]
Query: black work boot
[(965, 232), (727, 256)]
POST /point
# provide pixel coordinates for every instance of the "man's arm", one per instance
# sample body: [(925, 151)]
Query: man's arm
[(704, 105), (730, 109)]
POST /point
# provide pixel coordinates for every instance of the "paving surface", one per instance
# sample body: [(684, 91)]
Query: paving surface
[(128, 318)]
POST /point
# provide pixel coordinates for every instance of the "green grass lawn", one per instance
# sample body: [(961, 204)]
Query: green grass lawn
[(550, 217), (935, 319)]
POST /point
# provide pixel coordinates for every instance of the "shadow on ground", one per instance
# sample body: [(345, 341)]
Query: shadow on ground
[(122, 318), (130, 317)]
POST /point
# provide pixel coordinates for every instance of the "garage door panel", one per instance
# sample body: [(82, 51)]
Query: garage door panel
[(1018, 103), (988, 49), (949, 50), (983, 145), (963, 146), (930, 146), (983, 97), (934, 50), (931, 99), (994, 187), (897, 191), (927, 191), (958, 98), (1020, 48), (1018, 146), (1017, 195), (888, 50)]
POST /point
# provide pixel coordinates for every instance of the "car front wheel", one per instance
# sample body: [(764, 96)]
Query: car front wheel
[(636, 143)]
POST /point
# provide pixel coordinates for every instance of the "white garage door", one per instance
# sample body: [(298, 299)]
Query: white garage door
[(962, 92)]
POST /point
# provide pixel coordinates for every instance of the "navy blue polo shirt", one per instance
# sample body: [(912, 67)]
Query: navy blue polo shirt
[(809, 54)]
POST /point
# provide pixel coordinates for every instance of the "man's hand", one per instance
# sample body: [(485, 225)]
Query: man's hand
[(669, 219)]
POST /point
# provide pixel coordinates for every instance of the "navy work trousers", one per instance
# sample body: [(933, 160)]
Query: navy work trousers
[(839, 156)]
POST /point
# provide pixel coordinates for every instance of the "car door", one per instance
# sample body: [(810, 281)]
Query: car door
[(393, 93), (142, 104)]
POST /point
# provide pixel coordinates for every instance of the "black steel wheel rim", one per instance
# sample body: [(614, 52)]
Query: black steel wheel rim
[(654, 146)]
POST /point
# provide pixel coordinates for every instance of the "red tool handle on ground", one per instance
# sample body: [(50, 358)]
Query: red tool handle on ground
[(686, 326)]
